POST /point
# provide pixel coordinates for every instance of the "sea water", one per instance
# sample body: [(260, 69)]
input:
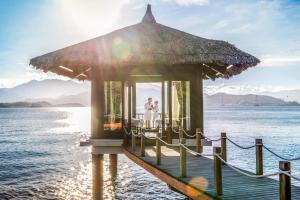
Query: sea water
[(40, 157)]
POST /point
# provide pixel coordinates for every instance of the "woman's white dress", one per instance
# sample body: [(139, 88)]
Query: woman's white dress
[(155, 112)]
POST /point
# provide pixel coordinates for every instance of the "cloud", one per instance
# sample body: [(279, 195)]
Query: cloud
[(189, 2), (273, 61), (244, 89)]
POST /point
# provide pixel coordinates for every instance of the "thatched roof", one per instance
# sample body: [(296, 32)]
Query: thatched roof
[(147, 43)]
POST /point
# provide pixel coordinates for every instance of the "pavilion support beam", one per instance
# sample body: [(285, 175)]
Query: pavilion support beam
[(97, 104), (184, 91), (197, 113), (134, 99), (163, 110), (129, 104), (170, 101)]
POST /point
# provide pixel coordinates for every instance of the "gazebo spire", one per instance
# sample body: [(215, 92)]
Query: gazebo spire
[(149, 18)]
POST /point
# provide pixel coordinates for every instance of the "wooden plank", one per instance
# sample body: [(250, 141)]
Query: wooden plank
[(178, 185)]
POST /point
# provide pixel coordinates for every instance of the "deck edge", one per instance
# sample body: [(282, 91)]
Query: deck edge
[(175, 183)]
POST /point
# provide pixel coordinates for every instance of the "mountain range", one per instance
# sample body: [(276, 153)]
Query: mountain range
[(53, 92)]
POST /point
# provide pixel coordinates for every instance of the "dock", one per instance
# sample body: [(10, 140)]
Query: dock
[(199, 180)]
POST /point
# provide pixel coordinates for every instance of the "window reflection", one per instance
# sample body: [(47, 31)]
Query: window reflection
[(113, 105), (181, 104)]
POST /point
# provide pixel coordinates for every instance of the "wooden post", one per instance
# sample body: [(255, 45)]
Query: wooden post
[(285, 181), (129, 104), (199, 136), (158, 150), (97, 176), (170, 102), (183, 104), (163, 110), (133, 99), (224, 146), (169, 133), (259, 157), (182, 158), (218, 171), (97, 103), (142, 145), (180, 132), (196, 89), (132, 142), (113, 165), (125, 136)]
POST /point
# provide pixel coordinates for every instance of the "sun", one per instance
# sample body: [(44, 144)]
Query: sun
[(93, 17)]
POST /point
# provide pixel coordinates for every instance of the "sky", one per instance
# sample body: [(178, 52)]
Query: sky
[(269, 30)]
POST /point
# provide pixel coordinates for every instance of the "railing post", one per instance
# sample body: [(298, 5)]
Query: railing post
[(158, 150), (181, 132), (182, 158), (218, 171), (132, 141), (199, 148), (169, 133), (259, 157), (142, 144), (285, 181), (224, 146)]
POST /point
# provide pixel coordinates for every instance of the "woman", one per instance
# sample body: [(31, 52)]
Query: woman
[(148, 108)]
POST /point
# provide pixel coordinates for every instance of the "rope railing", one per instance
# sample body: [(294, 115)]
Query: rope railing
[(281, 157), (245, 173), (133, 132), (289, 174), (219, 156), (239, 146), (168, 144), (194, 152), (213, 140), (184, 131)]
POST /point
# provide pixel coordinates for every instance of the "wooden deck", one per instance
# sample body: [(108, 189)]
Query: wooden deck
[(199, 183)]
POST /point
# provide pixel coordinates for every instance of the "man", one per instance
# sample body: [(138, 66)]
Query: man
[(148, 109)]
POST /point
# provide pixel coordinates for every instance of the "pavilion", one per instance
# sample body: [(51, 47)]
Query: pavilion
[(145, 52)]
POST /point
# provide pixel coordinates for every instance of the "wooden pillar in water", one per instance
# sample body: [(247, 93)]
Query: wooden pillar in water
[(113, 165), (97, 173), (97, 103)]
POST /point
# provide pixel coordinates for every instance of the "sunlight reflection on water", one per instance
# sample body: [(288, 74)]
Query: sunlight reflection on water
[(40, 158), (40, 155)]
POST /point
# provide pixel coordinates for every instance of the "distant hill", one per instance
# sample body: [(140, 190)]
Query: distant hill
[(222, 99), (45, 89), (36, 105), (81, 98), (287, 95), (59, 92)]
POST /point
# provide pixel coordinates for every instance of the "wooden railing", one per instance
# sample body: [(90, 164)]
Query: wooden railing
[(219, 156)]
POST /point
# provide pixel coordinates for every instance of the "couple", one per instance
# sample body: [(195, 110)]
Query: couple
[(149, 109)]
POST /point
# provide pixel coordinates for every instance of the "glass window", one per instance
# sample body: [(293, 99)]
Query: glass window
[(181, 104), (113, 105)]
